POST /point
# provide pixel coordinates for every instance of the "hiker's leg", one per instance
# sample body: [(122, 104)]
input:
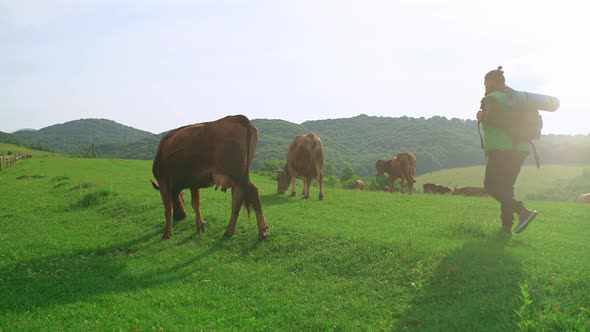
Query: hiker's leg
[(500, 176)]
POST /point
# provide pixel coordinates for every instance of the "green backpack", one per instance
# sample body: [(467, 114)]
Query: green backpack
[(523, 123), (517, 112)]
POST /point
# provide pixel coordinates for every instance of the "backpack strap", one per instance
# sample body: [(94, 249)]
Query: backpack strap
[(537, 159), (480, 137)]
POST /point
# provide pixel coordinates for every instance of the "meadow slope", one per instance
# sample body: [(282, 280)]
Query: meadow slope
[(81, 249), (550, 182)]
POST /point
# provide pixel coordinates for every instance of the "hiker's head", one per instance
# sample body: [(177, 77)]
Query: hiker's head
[(494, 79)]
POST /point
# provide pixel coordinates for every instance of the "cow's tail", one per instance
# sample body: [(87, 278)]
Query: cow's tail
[(247, 186), (155, 185), (412, 166)]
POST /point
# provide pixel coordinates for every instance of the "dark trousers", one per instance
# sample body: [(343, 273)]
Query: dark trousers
[(502, 168)]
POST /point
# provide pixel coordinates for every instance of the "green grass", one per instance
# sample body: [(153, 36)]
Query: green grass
[(550, 182), (5, 148), (81, 249)]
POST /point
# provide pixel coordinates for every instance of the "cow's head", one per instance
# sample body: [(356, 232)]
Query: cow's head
[(380, 166), (283, 181)]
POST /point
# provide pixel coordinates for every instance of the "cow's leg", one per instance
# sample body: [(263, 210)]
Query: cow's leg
[(167, 199), (293, 192), (178, 209), (401, 188), (410, 186), (321, 182), (392, 183), (237, 198), (196, 203), (306, 185), (254, 199)]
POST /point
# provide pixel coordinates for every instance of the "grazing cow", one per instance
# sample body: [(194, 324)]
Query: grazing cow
[(359, 184), (470, 191), (403, 166), (202, 155), (305, 159), (428, 188), (583, 198), (435, 188)]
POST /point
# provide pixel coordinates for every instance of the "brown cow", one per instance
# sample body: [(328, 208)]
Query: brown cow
[(583, 198), (401, 166), (359, 184), (433, 188), (305, 159), (470, 191), (202, 155)]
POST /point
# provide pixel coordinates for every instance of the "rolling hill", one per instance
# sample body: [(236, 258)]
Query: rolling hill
[(78, 136)]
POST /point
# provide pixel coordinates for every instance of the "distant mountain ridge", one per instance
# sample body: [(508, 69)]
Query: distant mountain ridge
[(357, 142), (78, 135)]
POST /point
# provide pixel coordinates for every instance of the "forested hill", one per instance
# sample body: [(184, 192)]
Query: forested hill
[(438, 142), (9, 139), (359, 141), (75, 136)]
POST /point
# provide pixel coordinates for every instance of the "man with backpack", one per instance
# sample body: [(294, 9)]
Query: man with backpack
[(508, 130)]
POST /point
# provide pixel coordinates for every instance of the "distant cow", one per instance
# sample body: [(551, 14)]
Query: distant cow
[(583, 198), (435, 188), (403, 166), (202, 155), (359, 184), (305, 159), (470, 191)]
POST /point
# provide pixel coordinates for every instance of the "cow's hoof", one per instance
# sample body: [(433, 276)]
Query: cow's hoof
[(293, 194), (306, 197), (321, 197), (262, 236), (166, 236), (201, 228), (227, 235)]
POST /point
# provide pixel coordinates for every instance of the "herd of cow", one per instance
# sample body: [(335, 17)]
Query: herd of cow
[(219, 153)]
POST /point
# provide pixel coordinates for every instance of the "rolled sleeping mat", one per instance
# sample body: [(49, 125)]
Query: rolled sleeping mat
[(531, 100)]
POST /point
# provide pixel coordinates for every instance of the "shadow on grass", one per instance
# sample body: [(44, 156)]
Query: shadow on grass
[(78, 276), (276, 199), (473, 287)]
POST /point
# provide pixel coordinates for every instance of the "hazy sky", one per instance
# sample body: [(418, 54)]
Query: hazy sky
[(157, 65)]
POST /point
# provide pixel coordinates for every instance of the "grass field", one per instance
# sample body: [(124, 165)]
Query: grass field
[(81, 249)]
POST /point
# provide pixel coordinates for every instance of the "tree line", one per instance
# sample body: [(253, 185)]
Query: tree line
[(350, 143)]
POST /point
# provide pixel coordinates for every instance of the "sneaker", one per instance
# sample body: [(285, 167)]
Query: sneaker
[(524, 220)]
